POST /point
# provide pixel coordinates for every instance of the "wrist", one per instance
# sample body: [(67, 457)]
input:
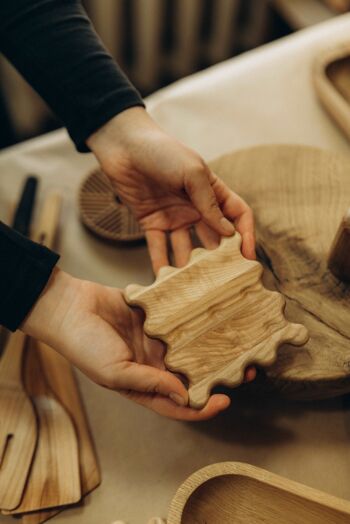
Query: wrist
[(46, 318), (116, 132)]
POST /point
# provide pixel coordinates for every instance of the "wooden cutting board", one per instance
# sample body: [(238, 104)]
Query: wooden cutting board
[(216, 317), (299, 195)]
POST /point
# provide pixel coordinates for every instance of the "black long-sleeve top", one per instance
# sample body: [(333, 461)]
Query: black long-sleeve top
[(54, 46)]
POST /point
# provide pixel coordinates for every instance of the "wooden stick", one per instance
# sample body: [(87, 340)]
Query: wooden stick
[(339, 258)]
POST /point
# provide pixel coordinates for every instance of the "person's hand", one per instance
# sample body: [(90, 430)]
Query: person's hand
[(93, 327), (169, 188)]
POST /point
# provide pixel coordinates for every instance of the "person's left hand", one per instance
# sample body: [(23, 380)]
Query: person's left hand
[(169, 188), (93, 327)]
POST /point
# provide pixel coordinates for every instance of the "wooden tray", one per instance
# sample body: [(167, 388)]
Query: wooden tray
[(232, 492), (102, 212), (332, 83), (299, 196)]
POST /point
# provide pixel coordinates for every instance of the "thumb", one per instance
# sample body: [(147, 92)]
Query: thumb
[(147, 379), (199, 189)]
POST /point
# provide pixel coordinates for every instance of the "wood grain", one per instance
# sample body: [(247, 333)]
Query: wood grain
[(339, 257), (240, 493), (63, 383), (298, 195), (54, 479), (215, 317), (331, 75), (18, 426)]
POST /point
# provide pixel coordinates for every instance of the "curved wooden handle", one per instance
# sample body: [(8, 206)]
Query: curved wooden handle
[(339, 257), (12, 360)]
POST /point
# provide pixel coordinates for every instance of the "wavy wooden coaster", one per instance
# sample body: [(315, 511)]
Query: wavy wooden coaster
[(103, 213), (215, 317)]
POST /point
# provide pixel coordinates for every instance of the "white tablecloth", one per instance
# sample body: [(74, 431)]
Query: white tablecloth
[(264, 96)]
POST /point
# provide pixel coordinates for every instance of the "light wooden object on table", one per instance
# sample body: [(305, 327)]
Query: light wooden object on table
[(331, 75), (215, 317), (63, 383), (54, 478), (298, 195), (339, 258), (61, 380), (233, 492), (18, 426)]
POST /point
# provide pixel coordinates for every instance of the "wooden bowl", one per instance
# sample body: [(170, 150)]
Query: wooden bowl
[(332, 83), (237, 493), (103, 213)]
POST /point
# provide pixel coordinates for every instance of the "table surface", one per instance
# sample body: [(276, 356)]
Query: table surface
[(264, 96)]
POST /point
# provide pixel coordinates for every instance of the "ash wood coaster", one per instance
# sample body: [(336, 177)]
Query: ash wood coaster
[(233, 492), (215, 317), (339, 258), (18, 425), (332, 83), (102, 212), (298, 195)]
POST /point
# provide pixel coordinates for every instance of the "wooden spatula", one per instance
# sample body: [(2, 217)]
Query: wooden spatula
[(18, 427), (54, 479), (62, 381)]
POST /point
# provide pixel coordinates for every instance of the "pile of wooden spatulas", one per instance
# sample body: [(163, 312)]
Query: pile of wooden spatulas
[(47, 456)]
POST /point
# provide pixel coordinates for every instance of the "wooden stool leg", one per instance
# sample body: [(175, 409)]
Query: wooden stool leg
[(339, 257)]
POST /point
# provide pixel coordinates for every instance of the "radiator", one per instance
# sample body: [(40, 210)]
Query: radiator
[(155, 42)]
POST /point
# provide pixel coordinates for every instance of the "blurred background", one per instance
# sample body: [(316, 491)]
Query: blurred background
[(159, 41)]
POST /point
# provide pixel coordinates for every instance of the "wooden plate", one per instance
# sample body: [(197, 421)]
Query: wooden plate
[(299, 196), (103, 214), (332, 83), (232, 492)]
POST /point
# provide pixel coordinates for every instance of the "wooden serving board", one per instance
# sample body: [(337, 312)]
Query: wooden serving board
[(215, 317), (299, 195)]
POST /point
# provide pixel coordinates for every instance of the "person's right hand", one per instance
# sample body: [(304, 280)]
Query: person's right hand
[(93, 327)]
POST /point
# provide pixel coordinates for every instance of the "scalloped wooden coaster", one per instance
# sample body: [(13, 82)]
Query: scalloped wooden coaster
[(215, 317)]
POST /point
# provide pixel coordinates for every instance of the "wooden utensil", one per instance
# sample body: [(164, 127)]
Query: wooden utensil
[(54, 479), (215, 317), (298, 195), (18, 428), (331, 76), (244, 494), (339, 257), (103, 213), (62, 381)]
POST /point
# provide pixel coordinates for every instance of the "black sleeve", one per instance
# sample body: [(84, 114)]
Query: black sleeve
[(54, 46), (25, 268)]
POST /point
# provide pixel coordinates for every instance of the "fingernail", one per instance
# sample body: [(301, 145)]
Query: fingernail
[(178, 399), (227, 225)]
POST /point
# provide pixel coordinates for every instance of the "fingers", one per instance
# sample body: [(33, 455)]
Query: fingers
[(208, 237), (165, 407), (250, 374), (198, 186), (181, 244), (237, 210), (157, 247), (146, 379)]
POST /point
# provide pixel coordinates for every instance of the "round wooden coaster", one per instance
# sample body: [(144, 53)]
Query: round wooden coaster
[(299, 195), (102, 212)]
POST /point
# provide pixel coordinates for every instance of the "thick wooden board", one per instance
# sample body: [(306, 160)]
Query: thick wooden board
[(235, 492), (299, 196), (215, 317)]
